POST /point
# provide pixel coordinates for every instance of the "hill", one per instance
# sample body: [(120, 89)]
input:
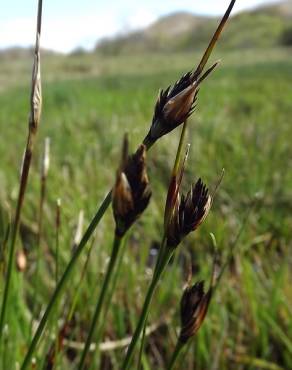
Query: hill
[(262, 27)]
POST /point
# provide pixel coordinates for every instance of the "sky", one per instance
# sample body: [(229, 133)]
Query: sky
[(68, 24)]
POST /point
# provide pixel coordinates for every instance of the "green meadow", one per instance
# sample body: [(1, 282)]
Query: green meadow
[(242, 123)]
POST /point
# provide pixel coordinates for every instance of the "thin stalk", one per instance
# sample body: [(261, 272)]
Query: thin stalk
[(102, 295), (61, 284), (78, 288), (145, 310), (43, 181), (175, 355), (175, 181), (179, 149), (41, 209), (57, 242), (111, 292), (35, 112), (142, 345), (176, 178)]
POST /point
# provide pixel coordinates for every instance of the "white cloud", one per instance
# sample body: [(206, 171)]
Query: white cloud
[(60, 33), (18, 31), (64, 32), (140, 18)]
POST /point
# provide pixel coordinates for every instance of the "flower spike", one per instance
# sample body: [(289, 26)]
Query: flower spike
[(131, 193)]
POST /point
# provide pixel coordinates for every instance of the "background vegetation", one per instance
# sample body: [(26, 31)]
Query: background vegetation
[(242, 123)]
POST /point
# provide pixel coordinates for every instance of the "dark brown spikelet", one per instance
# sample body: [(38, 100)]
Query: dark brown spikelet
[(190, 211), (193, 309), (131, 193), (176, 103)]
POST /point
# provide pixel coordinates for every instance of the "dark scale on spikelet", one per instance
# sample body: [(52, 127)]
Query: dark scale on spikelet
[(131, 193), (193, 309), (189, 212), (175, 104)]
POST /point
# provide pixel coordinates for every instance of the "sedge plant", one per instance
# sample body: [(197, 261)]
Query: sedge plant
[(174, 105), (182, 216), (131, 195)]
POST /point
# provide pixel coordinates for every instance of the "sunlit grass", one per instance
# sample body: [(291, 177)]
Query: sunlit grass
[(242, 123)]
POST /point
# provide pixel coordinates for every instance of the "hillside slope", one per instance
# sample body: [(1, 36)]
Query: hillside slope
[(259, 28)]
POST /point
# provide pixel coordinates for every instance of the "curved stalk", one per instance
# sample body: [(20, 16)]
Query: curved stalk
[(145, 309), (102, 295), (174, 357), (109, 296)]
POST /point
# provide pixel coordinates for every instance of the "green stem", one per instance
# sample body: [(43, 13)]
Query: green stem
[(179, 149), (110, 294), (22, 188), (142, 345), (78, 288), (174, 357), (96, 316), (145, 309), (59, 288), (37, 284), (175, 180), (57, 242)]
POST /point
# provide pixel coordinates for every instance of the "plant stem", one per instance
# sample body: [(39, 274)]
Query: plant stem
[(111, 291), (145, 309), (174, 357), (96, 316), (61, 284), (57, 243), (35, 112), (179, 149), (142, 345)]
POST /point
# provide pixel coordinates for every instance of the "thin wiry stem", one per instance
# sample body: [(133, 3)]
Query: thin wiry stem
[(214, 40), (109, 295), (102, 295), (43, 181), (145, 309), (164, 254), (175, 355), (57, 244), (34, 118), (139, 366)]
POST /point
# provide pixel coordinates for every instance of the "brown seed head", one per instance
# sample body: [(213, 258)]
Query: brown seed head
[(131, 193), (174, 105), (193, 309), (188, 214)]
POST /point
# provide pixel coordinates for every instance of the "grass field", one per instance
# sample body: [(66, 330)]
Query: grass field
[(242, 123)]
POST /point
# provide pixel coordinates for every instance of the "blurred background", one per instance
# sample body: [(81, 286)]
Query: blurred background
[(102, 68)]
